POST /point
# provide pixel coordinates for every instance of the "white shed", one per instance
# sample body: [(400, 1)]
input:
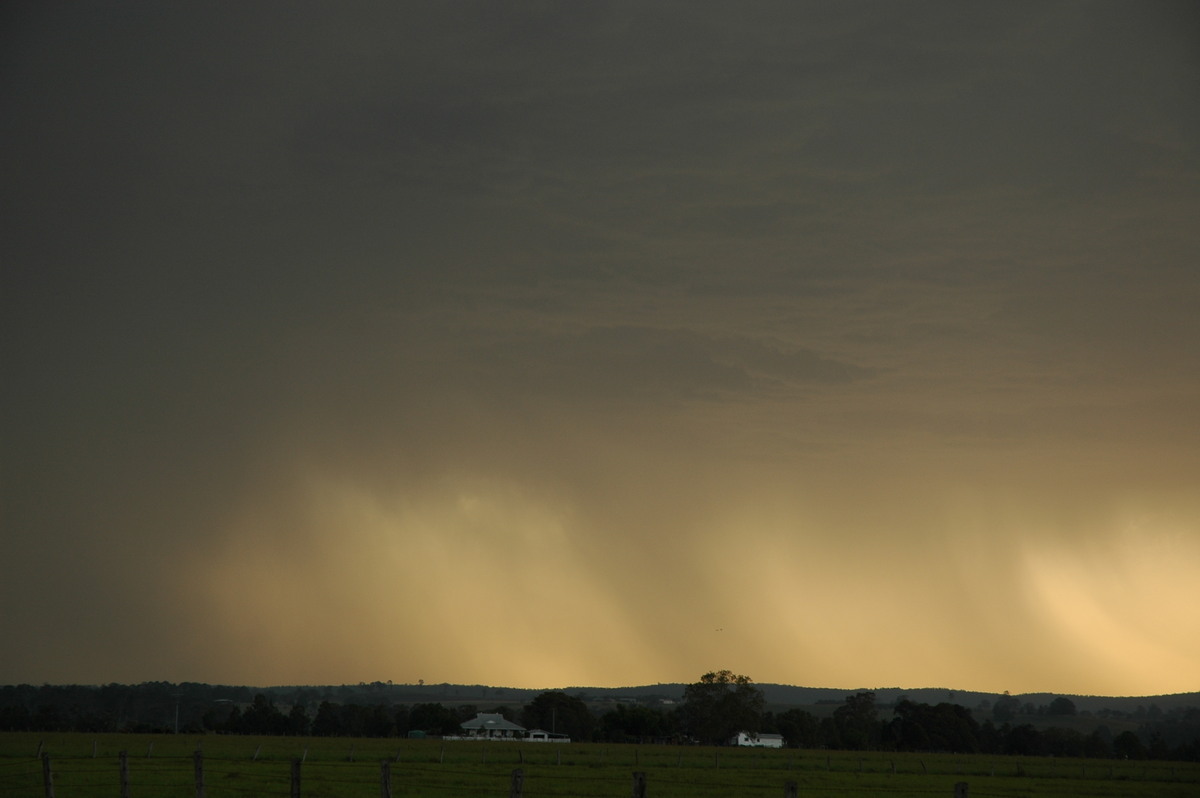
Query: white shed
[(543, 736), (757, 740)]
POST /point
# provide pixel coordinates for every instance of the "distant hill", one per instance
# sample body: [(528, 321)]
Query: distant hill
[(787, 695), (778, 696)]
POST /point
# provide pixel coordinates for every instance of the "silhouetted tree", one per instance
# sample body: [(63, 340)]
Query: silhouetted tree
[(379, 722), (15, 718), (233, 721), (1099, 743), (1057, 741), (354, 720), (720, 705), (328, 722), (1061, 706), (1005, 709), (297, 721), (400, 717), (800, 729), (262, 717), (634, 724), (1127, 745), (991, 739), (1024, 740), (434, 719), (1158, 747), (857, 721), (558, 712)]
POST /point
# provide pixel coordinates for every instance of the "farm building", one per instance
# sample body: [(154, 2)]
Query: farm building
[(543, 736), (757, 740), (491, 726)]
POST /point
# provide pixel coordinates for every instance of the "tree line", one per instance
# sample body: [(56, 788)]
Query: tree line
[(712, 710)]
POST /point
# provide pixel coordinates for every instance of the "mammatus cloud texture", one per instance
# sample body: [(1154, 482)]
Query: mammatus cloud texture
[(532, 346)]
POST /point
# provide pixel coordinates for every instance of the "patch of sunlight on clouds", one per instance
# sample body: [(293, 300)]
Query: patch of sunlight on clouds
[(963, 604), (805, 604), (1123, 606), (468, 580)]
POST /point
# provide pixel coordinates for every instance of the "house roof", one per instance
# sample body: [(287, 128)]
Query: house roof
[(485, 721)]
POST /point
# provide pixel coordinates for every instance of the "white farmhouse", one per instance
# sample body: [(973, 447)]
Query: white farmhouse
[(492, 726)]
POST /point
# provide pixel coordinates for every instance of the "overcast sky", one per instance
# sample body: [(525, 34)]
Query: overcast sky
[(845, 344)]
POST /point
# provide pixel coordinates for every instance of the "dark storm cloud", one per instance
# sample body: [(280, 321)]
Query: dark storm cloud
[(620, 275), (639, 363)]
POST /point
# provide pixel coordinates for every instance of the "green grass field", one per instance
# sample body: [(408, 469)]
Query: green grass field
[(85, 765)]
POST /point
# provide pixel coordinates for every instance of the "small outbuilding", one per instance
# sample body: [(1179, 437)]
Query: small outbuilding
[(754, 740), (543, 736)]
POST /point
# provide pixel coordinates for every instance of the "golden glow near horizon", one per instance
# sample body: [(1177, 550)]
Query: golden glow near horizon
[(839, 345), (480, 580)]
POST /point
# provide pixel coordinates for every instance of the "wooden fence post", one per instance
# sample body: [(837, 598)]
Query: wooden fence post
[(124, 760), (639, 784), (198, 766), (518, 784), (47, 776), (960, 790), (790, 790), (385, 779), (295, 778)]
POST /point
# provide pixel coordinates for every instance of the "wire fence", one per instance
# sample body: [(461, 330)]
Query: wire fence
[(586, 773)]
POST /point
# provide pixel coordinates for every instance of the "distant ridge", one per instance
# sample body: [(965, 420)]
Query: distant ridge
[(777, 696), (792, 695), (784, 695)]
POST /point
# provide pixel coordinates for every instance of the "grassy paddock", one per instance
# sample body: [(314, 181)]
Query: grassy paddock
[(86, 765)]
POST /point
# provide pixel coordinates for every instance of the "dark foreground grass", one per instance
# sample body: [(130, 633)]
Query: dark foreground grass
[(163, 766)]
